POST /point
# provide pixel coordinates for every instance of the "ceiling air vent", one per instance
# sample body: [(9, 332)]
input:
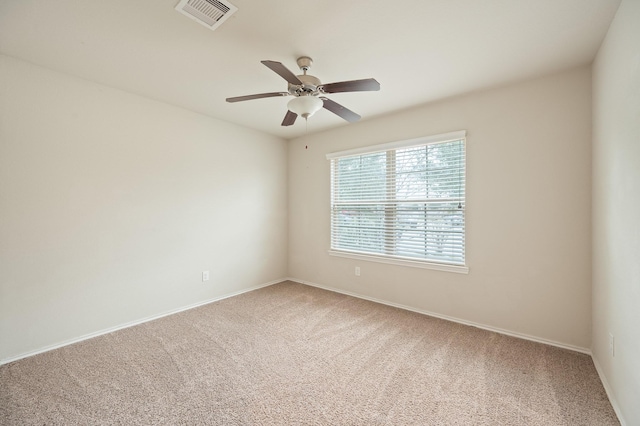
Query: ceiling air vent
[(210, 13)]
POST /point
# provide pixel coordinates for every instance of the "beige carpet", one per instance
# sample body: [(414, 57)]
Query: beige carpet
[(296, 355)]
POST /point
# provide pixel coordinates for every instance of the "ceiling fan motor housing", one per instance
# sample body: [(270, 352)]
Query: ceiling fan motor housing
[(309, 85)]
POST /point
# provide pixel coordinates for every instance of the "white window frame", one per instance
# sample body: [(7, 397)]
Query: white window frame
[(395, 260)]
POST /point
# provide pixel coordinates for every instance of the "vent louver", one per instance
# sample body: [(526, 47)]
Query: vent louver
[(210, 13)]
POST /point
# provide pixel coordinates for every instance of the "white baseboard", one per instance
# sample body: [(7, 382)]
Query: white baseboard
[(453, 319), (132, 323), (607, 389)]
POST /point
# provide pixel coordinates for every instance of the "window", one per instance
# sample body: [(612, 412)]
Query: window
[(401, 201)]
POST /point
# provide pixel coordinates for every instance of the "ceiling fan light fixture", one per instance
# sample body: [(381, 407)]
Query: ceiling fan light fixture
[(305, 106)]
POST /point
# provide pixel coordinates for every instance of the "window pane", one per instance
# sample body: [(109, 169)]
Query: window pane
[(360, 178), (432, 171), (430, 230), (358, 228)]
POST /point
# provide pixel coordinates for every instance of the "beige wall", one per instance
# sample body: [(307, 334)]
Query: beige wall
[(111, 206), (616, 210), (528, 210)]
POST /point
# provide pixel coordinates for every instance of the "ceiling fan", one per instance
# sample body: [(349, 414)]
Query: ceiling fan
[(308, 92)]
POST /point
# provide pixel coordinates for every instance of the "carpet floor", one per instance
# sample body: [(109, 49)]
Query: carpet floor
[(290, 354)]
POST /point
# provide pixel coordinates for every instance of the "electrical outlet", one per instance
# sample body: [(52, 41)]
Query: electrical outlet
[(205, 276), (612, 347), (357, 271)]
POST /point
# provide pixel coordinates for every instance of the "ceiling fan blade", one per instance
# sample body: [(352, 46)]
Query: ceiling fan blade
[(339, 110), (289, 118), (366, 85), (282, 71), (257, 96)]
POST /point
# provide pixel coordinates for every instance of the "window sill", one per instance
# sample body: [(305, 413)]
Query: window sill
[(459, 269)]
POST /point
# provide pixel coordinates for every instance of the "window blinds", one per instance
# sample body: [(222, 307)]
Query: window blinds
[(406, 202)]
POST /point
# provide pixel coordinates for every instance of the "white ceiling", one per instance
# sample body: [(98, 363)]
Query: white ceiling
[(419, 50)]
